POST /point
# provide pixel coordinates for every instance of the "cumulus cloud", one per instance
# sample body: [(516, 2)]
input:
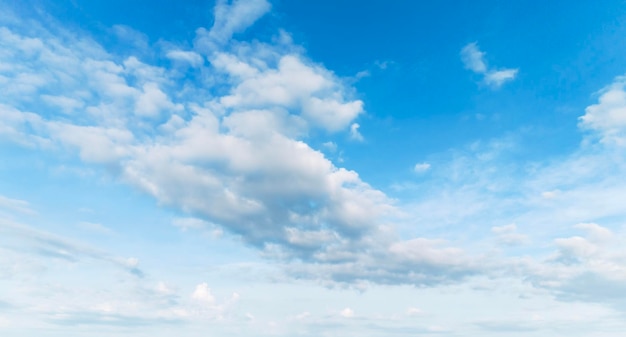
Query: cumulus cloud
[(230, 154), (421, 167), (203, 294), (235, 157), (608, 117), (474, 59)]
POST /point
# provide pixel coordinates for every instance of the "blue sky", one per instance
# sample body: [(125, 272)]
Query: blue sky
[(312, 168)]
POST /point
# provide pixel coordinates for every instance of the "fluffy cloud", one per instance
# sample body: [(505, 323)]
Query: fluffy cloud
[(608, 117), (232, 156), (474, 59), (203, 294), (421, 167)]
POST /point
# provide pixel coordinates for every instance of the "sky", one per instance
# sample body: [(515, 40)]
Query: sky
[(312, 168)]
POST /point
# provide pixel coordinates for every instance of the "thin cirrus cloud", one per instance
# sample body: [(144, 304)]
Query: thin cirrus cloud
[(474, 59)]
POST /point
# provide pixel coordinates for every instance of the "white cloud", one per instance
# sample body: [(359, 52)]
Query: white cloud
[(153, 101), (347, 313), (234, 160), (596, 232), (68, 105), (508, 235), (499, 77), (354, 132), (192, 58), (315, 92), (330, 146), (190, 223), (474, 59), (608, 116), (421, 167), (203, 294), (53, 247), (20, 206), (230, 17)]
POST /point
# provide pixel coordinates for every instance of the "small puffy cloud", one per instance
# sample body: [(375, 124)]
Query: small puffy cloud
[(203, 294), (163, 289), (421, 167), (474, 59), (330, 146), (354, 132), (362, 74), (346, 313)]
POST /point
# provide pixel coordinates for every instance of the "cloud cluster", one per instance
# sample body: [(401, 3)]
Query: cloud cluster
[(474, 59), (227, 147)]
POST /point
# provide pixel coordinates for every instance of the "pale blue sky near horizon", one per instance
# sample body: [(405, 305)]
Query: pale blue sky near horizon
[(312, 168)]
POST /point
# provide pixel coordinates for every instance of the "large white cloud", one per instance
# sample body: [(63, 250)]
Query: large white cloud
[(227, 146)]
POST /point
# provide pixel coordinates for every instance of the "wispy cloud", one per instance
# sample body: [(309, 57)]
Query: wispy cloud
[(474, 59), (52, 246), (17, 205)]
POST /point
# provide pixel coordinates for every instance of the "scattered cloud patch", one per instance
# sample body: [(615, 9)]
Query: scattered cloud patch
[(17, 205), (354, 132), (421, 167), (346, 313), (474, 59), (508, 235), (607, 118), (203, 294)]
